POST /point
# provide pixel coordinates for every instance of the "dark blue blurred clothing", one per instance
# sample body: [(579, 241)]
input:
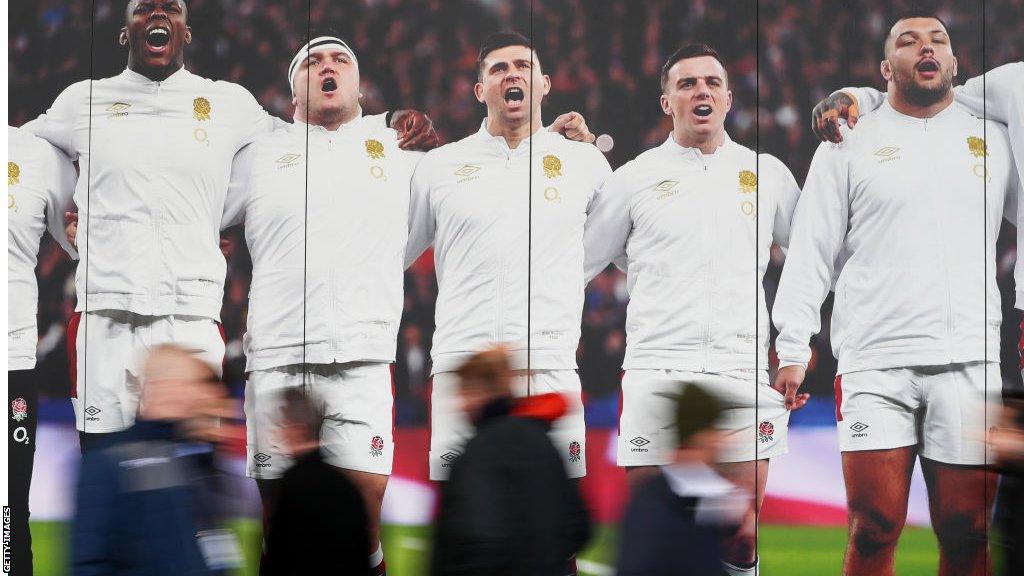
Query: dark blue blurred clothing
[(143, 499), (668, 534)]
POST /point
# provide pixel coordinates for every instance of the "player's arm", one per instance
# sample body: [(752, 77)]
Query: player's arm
[(237, 197), (608, 225), (848, 104), (57, 124), (60, 193), (422, 224), (989, 96), (415, 130), (786, 193), (819, 229)]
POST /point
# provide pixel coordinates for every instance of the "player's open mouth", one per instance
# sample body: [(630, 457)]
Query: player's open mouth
[(514, 96), (329, 85), (702, 110), (158, 37), (928, 68)]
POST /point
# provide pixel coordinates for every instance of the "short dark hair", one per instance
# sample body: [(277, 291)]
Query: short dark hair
[(497, 41), (698, 410), (917, 12), (689, 51)]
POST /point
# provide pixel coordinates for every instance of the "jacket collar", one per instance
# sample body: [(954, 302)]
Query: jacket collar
[(134, 77), (299, 127)]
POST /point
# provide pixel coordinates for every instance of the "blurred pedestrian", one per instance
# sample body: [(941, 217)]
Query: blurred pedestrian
[(146, 502), (508, 507), (677, 520), (319, 522), (1007, 442)]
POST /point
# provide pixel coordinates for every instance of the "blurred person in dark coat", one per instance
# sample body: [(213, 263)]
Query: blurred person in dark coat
[(1007, 442), (509, 507), (676, 521), (146, 503), (318, 524)]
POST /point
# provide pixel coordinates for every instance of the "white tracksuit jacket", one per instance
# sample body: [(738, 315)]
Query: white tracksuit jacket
[(40, 183), (472, 200), (899, 215), (155, 160), (693, 233), (998, 96), (327, 280)]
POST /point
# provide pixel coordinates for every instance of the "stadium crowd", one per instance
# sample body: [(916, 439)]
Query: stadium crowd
[(603, 57)]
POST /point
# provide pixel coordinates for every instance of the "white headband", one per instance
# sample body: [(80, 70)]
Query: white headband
[(316, 45)]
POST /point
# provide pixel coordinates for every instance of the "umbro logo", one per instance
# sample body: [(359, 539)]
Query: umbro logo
[(858, 429), (118, 109), (467, 172), (288, 160), (887, 153), (261, 460), (639, 442), (91, 413), (666, 188), (449, 457)]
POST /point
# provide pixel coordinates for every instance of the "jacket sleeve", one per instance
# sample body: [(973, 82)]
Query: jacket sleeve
[(421, 214), (255, 120), (991, 95), (818, 234), (867, 98), (607, 228), (93, 539), (59, 198), (239, 189), (57, 124), (786, 193)]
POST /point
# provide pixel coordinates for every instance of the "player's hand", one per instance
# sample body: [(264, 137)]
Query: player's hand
[(787, 382), (71, 227), (573, 126), (826, 115), (415, 130)]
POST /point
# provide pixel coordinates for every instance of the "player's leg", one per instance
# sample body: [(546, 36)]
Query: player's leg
[(357, 435), (739, 550), (449, 426), (960, 501), (266, 457), (22, 400), (757, 424), (647, 428), (568, 433), (876, 416), (877, 489), (953, 458), (104, 394)]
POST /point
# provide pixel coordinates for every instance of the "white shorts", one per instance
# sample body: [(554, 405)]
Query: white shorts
[(755, 415), (355, 401), (942, 408), (450, 428), (110, 348)]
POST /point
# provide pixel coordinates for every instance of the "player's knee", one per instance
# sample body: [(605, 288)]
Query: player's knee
[(874, 531), (961, 529)]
